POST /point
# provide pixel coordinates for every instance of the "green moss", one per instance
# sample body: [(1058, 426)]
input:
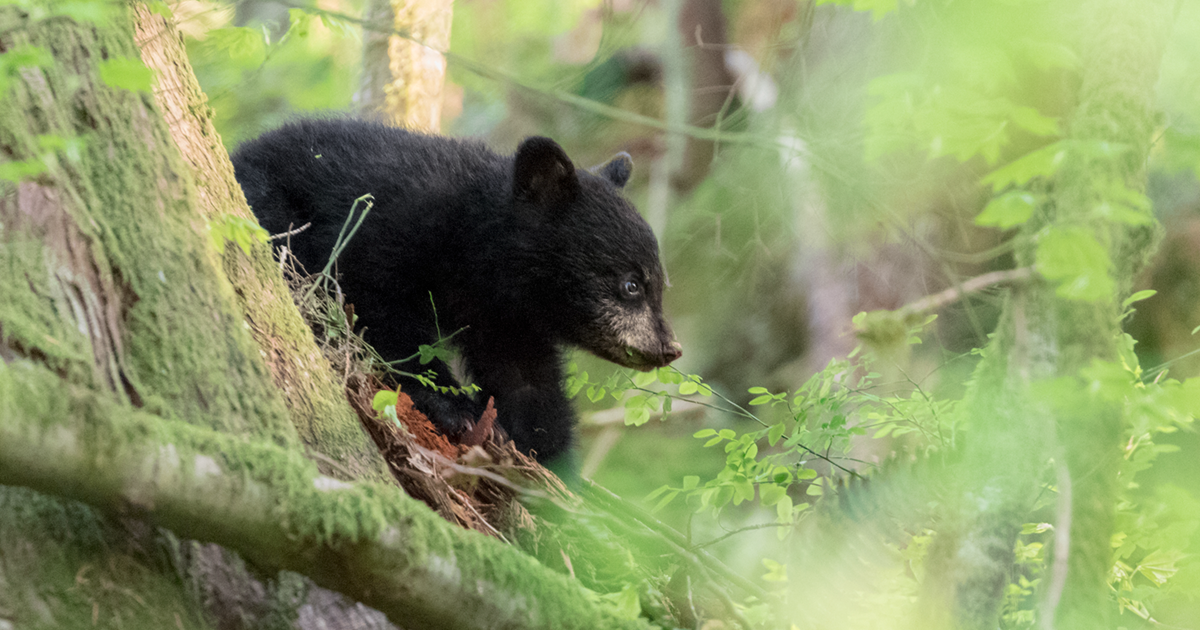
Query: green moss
[(180, 338), (64, 566), (30, 314)]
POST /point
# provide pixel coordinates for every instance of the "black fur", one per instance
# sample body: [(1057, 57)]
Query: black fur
[(523, 253)]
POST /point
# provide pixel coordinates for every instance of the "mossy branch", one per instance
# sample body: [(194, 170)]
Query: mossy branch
[(270, 504)]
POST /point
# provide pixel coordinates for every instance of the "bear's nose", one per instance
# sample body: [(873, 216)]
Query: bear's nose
[(672, 351)]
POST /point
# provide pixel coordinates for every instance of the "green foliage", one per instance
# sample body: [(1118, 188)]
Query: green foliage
[(83, 11), (633, 390), (21, 57), (49, 148), (259, 73), (241, 231), (243, 46), (126, 73), (777, 465), (1073, 259), (1009, 210)]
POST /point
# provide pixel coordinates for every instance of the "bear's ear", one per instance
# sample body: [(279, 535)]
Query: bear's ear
[(617, 170), (543, 174)]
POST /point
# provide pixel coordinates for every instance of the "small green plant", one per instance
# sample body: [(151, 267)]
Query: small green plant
[(241, 231)]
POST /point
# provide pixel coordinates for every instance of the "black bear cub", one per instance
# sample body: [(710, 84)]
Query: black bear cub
[(522, 254)]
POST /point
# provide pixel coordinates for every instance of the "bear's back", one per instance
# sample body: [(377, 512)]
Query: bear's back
[(312, 171)]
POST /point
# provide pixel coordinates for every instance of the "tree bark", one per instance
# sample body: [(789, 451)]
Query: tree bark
[(314, 395), (404, 68)]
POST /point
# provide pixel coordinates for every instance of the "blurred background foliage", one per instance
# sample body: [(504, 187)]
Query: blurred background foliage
[(830, 165)]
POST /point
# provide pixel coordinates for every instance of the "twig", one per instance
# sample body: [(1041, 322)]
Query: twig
[(739, 531), (275, 237), (973, 285)]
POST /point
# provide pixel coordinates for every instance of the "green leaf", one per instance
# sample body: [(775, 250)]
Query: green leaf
[(769, 494), (1159, 566), (1138, 297), (743, 490), (1043, 162), (723, 497), (690, 482), (667, 498), (637, 417), (669, 376), (1009, 210), (1123, 204), (643, 379), (126, 73), (576, 383), (245, 46), (1077, 262), (783, 510), (1034, 122), (658, 491), (703, 433), (383, 398), (775, 432), (761, 400), (17, 172), (299, 23), (241, 231), (781, 475), (596, 394), (776, 572), (428, 353), (687, 388)]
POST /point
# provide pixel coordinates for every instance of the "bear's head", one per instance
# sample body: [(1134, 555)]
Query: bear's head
[(600, 265)]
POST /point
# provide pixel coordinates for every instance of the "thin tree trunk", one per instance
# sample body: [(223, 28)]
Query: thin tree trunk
[(417, 68), (1029, 394)]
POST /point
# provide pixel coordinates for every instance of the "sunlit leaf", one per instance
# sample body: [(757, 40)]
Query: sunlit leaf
[(1138, 297), (126, 73), (1073, 259), (1009, 210), (383, 398), (1043, 162)]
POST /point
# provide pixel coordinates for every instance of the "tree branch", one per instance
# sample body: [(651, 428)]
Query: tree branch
[(270, 504)]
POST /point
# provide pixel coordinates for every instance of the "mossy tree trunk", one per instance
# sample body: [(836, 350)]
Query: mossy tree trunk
[(1033, 398), (153, 377)]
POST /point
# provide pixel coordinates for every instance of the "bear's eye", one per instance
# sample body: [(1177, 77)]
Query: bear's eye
[(631, 288)]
